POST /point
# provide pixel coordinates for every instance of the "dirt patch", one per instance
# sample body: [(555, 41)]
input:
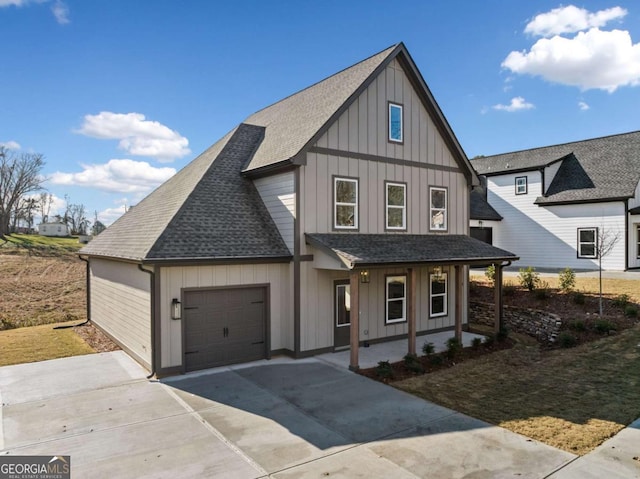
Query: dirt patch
[(95, 338)]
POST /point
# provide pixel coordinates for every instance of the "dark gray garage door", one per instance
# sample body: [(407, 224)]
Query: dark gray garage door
[(224, 326)]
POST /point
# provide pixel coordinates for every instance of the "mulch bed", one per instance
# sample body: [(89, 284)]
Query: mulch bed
[(95, 338)]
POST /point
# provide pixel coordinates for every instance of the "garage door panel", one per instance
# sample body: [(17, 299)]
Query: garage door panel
[(224, 326)]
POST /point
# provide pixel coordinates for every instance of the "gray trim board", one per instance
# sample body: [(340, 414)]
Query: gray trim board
[(381, 159)]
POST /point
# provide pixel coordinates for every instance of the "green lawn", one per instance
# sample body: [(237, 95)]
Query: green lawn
[(44, 244)]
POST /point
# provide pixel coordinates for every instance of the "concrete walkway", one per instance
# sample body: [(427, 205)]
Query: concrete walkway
[(280, 418)]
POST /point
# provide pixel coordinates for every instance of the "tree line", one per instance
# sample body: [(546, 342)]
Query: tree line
[(20, 181)]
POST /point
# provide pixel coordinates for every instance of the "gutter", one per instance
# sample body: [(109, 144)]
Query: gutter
[(152, 278)]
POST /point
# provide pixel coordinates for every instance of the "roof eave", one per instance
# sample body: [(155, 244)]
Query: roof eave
[(219, 260), (541, 201)]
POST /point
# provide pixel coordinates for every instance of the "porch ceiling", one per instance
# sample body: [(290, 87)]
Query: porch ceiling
[(367, 250)]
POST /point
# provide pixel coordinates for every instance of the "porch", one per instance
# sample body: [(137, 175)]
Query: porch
[(394, 351)]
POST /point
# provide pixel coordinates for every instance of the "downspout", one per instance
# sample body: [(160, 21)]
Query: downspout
[(88, 289), (152, 290)]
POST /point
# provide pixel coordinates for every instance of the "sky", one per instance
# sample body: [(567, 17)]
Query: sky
[(118, 95)]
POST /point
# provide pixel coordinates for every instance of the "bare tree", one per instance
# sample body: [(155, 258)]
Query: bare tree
[(76, 218), (19, 176), (98, 226), (607, 239), (45, 202)]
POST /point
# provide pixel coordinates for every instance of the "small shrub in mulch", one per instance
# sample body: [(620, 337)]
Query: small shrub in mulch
[(567, 340), (631, 311)]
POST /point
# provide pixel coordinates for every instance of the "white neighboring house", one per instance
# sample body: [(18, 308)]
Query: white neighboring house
[(556, 200), (53, 229)]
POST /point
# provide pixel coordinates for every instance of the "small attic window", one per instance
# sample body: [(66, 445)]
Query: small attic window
[(395, 123), (521, 185)]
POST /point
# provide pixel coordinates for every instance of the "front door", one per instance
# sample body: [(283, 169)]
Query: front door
[(342, 314)]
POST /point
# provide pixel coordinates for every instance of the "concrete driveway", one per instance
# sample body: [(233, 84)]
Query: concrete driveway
[(278, 418)]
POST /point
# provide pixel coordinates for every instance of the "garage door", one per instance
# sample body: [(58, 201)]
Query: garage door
[(224, 326)]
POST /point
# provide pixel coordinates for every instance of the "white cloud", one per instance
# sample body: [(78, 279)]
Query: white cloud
[(61, 12), (121, 176), (10, 145), (59, 9), (109, 215), (583, 106), (137, 135), (593, 59), (517, 103), (571, 19)]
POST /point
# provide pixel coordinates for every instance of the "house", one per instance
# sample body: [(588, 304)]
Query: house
[(560, 203), (53, 229), (350, 195)]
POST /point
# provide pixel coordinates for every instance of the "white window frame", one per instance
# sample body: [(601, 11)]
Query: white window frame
[(433, 210), (522, 187), (388, 280), (594, 243), (396, 207), (336, 203), (401, 108), (432, 278)]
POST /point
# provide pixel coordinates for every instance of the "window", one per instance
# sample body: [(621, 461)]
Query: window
[(395, 299), (638, 240), (521, 185), (396, 213), (438, 209), (395, 123), (345, 212), (587, 242), (438, 297)]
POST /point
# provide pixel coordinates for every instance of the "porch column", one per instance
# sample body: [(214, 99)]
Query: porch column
[(459, 301), (354, 285), (411, 312), (497, 322)]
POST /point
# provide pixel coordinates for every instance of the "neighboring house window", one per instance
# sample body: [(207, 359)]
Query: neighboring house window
[(396, 212), (345, 203), (638, 239), (438, 209), (587, 242), (438, 289), (395, 299), (521, 185), (395, 123), (59, 229)]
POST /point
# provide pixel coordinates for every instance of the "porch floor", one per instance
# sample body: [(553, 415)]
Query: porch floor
[(393, 350)]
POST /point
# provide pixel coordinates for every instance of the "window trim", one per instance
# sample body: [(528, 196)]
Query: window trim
[(638, 241), (388, 321), (526, 185), (387, 206), (446, 208), (391, 105), (594, 242), (356, 205), (445, 295)]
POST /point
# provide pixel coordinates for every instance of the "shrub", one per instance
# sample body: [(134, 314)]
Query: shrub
[(529, 278), (384, 369), (489, 340), (412, 363), (453, 347), (490, 273), (603, 326), (542, 292), (509, 289), (567, 340), (428, 349), (578, 325), (621, 301), (631, 311), (436, 360), (567, 280), (476, 343), (579, 297)]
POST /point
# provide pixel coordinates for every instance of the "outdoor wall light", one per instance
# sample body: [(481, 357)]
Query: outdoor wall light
[(364, 276), (437, 271), (176, 309)]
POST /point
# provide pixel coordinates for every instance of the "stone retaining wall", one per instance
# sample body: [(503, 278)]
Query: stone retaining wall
[(542, 325)]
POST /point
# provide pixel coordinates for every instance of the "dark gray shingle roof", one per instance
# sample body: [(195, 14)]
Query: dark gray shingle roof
[(206, 211), (380, 249), (480, 209), (598, 169)]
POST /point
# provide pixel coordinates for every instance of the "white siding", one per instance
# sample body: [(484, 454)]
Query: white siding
[(546, 236), (278, 195), (549, 174), (635, 201), (277, 276), (121, 305)]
